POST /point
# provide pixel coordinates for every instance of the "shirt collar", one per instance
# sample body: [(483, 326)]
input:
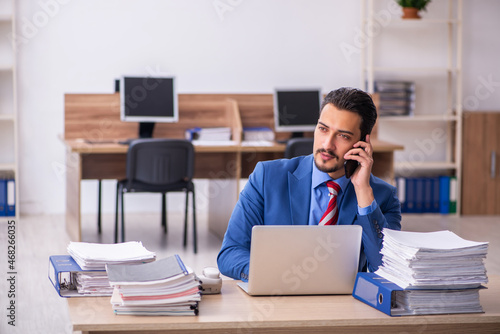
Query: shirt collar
[(319, 177)]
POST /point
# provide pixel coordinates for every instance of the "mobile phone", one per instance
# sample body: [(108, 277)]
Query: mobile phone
[(350, 167)]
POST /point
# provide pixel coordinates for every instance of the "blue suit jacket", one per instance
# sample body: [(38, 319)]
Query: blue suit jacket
[(278, 192)]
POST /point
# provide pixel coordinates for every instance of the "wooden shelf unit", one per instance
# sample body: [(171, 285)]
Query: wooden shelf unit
[(9, 162), (448, 70)]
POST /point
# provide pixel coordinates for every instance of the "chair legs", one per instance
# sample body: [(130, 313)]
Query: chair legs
[(99, 190), (116, 211), (119, 200), (164, 212), (123, 216), (186, 218), (195, 241)]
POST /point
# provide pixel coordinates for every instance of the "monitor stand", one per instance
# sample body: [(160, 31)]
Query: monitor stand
[(297, 135), (146, 129), (293, 135)]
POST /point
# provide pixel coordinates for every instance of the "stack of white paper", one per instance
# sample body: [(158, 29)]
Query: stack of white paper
[(95, 283), (437, 301), (434, 260), (93, 256), (164, 287)]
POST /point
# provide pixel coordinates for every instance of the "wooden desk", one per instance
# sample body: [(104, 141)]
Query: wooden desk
[(234, 311)]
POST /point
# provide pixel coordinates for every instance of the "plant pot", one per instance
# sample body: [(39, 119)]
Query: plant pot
[(410, 13)]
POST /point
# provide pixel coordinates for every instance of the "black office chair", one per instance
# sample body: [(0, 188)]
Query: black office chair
[(161, 166), (298, 146)]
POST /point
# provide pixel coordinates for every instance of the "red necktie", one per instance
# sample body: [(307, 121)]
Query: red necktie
[(331, 214)]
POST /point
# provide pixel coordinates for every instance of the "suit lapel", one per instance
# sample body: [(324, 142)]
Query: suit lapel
[(299, 187), (349, 206)]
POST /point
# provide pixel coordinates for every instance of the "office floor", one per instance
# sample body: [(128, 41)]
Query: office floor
[(40, 310)]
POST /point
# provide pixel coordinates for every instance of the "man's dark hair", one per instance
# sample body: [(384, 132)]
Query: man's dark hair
[(354, 100)]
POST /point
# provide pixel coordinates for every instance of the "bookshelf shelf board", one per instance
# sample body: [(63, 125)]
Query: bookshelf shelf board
[(437, 69), (6, 117), (432, 165), (420, 118), (423, 21), (7, 167)]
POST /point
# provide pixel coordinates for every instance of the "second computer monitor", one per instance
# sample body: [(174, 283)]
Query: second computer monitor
[(296, 110), (148, 100)]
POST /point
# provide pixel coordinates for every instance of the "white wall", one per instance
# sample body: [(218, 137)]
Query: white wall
[(77, 46)]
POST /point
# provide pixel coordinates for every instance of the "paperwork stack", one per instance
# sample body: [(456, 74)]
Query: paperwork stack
[(93, 256), (209, 134), (397, 98), (425, 273), (83, 272), (435, 260), (163, 287)]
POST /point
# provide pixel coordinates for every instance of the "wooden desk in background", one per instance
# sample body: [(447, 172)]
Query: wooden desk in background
[(96, 117), (234, 311)]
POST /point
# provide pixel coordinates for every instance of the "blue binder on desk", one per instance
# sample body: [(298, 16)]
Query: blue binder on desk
[(62, 269), (375, 291), (395, 301)]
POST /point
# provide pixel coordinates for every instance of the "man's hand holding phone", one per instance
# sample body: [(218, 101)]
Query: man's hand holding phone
[(362, 152)]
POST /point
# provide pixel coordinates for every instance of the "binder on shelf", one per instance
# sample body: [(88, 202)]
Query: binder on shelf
[(453, 194), (444, 194), (428, 184), (11, 197), (435, 195), (3, 197), (401, 187), (411, 195), (62, 270), (419, 194)]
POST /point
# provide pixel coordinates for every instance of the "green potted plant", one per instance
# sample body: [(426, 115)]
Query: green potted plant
[(412, 7)]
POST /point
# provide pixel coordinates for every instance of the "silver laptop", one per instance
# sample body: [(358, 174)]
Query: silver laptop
[(303, 260)]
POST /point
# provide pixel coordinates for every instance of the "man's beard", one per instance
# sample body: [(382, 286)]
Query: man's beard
[(323, 168)]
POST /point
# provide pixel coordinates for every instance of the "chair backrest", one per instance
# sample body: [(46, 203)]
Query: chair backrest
[(299, 146), (160, 161)]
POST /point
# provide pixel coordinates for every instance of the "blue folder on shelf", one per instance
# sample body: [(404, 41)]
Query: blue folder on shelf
[(444, 194), (11, 198), (3, 197)]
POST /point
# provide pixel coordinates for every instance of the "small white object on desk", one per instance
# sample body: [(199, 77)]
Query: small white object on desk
[(257, 143)]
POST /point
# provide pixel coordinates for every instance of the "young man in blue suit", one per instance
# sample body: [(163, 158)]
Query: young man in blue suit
[(293, 191)]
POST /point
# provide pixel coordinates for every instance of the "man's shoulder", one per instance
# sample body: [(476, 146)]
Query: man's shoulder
[(281, 168), (378, 182), (285, 164)]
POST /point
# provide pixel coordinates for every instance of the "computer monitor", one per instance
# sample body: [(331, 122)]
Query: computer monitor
[(296, 110), (148, 100)]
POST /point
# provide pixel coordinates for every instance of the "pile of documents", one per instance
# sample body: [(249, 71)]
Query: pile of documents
[(83, 271), (163, 287), (93, 256), (210, 134), (433, 260), (438, 271)]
